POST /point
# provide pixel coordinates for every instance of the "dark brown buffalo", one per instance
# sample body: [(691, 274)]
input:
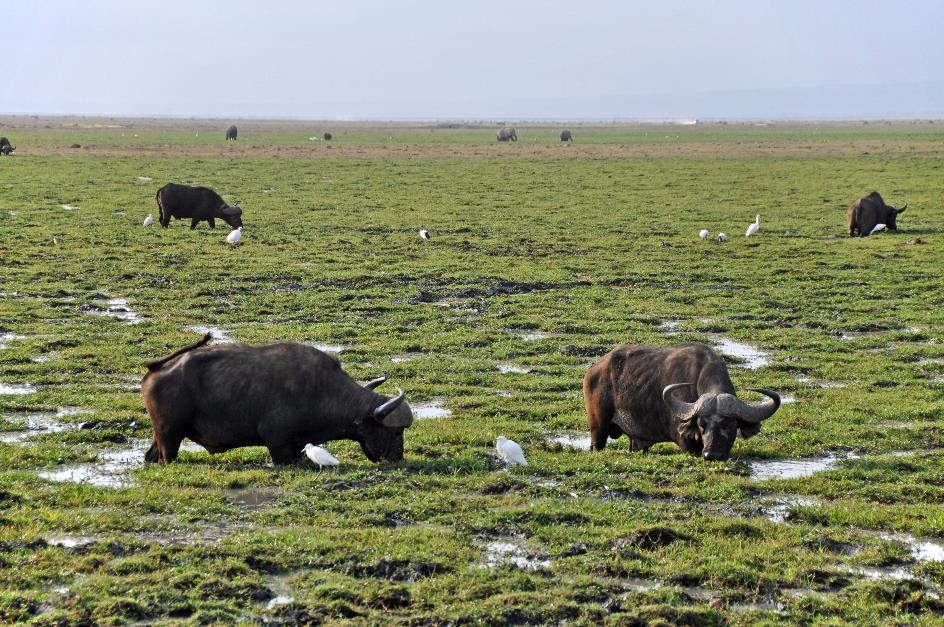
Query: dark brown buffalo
[(327, 136), (870, 210), (231, 133), (566, 136), (196, 203), (5, 147), (507, 134), (281, 396), (680, 394)]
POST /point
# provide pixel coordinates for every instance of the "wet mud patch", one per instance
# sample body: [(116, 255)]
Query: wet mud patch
[(820, 383), (112, 308), (651, 538), (111, 470), (396, 570), (8, 336)]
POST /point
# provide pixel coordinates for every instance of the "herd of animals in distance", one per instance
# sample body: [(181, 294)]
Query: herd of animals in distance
[(650, 394)]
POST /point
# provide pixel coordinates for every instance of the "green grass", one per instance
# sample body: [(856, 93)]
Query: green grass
[(595, 251)]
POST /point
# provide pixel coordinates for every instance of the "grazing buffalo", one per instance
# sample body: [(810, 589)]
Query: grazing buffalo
[(196, 203), (870, 210), (281, 396), (327, 137), (231, 133), (5, 147), (566, 136), (507, 134), (680, 394)]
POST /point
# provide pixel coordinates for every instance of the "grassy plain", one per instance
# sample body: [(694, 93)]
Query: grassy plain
[(587, 246)]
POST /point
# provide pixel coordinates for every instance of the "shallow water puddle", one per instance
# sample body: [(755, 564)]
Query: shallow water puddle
[(114, 308), (509, 368), (9, 337), (17, 388), (69, 207), (570, 440), (509, 552), (219, 335), (795, 468), (787, 399), (752, 357), (670, 327), (532, 335), (329, 348), (779, 511), (281, 590), (70, 542), (801, 378), (405, 357), (41, 423), (430, 409), (110, 472), (252, 498)]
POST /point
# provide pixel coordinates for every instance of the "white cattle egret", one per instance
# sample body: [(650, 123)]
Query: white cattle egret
[(148, 221), (753, 227), (234, 236), (703, 233), (510, 451), (424, 234), (320, 456), (722, 237), (878, 227)]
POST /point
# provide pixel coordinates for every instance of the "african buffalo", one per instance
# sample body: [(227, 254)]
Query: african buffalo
[(281, 396), (327, 137), (231, 133), (680, 394), (870, 210), (566, 136), (196, 203), (5, 147), (507, 134)]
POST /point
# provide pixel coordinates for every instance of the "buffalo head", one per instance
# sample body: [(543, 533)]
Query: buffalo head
[(710, 424), (380, 433), (232, 216), (892, 215)]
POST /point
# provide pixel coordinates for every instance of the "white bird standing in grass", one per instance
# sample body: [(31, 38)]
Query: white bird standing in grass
[(320, 456), (722, 237), (424, 234), (878, 227), (753, 228), (235, 236), (148, 221), (510, 451), (703, 233)]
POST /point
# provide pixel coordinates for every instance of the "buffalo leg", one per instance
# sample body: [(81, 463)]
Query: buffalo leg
[(153, 454), (635, 444), (193, 223), (284, 453), (598, 439), (212, 223)]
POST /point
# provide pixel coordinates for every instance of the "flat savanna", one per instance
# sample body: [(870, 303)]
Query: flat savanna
[(543, 257)]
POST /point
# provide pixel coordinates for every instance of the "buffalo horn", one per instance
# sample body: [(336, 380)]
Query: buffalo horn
[(758, 412), (370, 385), (902, 209), (381, 413), (680, 408)]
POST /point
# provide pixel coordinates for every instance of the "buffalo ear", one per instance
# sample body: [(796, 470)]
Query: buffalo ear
[(748, 429), (688, 429)]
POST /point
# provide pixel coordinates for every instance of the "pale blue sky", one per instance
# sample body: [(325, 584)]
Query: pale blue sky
[(442, 59)]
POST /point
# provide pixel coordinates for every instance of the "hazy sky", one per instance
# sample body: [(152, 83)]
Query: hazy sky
[(424, 59)]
